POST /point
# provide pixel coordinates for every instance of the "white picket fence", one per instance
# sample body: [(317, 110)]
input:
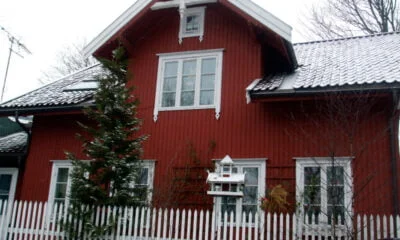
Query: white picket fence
[(38, 221)]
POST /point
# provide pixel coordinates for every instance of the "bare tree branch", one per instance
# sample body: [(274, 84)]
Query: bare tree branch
[(345, 18), (68, 60)]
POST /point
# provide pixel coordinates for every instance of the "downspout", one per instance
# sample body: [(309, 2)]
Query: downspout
[(28, 142), (394, 119)]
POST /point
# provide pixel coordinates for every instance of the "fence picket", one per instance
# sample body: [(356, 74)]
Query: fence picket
[(398, 226), (384, 224), (188, 228), (177, 225), (275, 227), (201, 225), (244, 225), (268, 227), (153, 222), (249, 225), (171, 224), (231, 224), (218, 226), (391, 226), (194, 233), (3, 216), (207, 225), (159, 223), (165, 223), (256, 226), (182, 233), (225, 225)]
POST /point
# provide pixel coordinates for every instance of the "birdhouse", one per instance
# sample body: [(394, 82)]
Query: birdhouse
[(225, 181)]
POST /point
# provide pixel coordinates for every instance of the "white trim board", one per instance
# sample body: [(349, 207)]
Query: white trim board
[(247, 6), (175, 3)]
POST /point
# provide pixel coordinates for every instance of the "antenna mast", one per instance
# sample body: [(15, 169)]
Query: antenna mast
[(21, 47)]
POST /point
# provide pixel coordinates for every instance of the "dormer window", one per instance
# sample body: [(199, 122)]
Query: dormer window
[(192, 23)]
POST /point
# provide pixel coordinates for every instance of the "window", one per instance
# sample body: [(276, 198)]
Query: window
[(192, 23), (189, 80), (254, 189), (324, 189), (61, 182), (146, 178), (8, 183)]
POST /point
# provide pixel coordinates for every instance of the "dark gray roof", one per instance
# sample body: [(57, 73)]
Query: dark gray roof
[(348, 62), (14, 143), (56, 93)]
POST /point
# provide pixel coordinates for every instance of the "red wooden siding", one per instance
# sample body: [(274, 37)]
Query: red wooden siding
[(190, 139)]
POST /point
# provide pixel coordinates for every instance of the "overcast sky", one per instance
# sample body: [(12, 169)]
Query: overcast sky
[(47, 26)]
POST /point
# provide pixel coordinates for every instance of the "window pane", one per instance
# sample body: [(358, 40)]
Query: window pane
[(61, 190), (207, 81), (251, 176), (188, 83), (312, 175), (171, 69), (250, 195), (208, 66), (335, 175), (335, 195), (312, 195), (192, 23), (169, 84), (228, 204), (5, 184), (189, 67), (62, 175), (206, 97), (168, 100), (144, 175), (187, 98)]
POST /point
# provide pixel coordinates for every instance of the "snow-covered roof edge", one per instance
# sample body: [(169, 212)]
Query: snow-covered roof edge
[(249, 7)]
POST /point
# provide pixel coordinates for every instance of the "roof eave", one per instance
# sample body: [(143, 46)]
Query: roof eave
[(40, 109), (115, 26), (266, 18), (294, 93)]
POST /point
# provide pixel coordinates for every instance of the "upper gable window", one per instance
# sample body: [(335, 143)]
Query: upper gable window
[(192, 23), (189, 80)]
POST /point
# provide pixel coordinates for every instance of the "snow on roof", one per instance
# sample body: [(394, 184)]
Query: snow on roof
[(355, 61)]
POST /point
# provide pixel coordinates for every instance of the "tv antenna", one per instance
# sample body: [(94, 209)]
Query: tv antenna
[(14, 42)]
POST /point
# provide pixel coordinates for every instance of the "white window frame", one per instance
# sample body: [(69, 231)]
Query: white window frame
[(241, 163), (13, 186), (57, 164), (198, 11), (180, 57), (323, 163), (150, 165)]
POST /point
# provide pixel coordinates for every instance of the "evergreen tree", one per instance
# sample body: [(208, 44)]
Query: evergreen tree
[(111, 144)]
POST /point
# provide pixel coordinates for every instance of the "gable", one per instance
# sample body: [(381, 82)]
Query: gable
[(135, 22)]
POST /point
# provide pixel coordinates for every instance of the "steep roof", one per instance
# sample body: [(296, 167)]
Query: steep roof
[(60, 93), (356, 62)]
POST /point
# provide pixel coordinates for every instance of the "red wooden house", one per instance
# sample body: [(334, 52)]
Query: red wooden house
[(221, 77)]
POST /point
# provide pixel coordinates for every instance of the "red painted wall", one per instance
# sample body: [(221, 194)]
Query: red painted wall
[(277, 131)]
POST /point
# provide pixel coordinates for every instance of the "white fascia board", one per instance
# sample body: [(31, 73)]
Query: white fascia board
[(263, 16), (175, 3), (115, 26), (249, 88)]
